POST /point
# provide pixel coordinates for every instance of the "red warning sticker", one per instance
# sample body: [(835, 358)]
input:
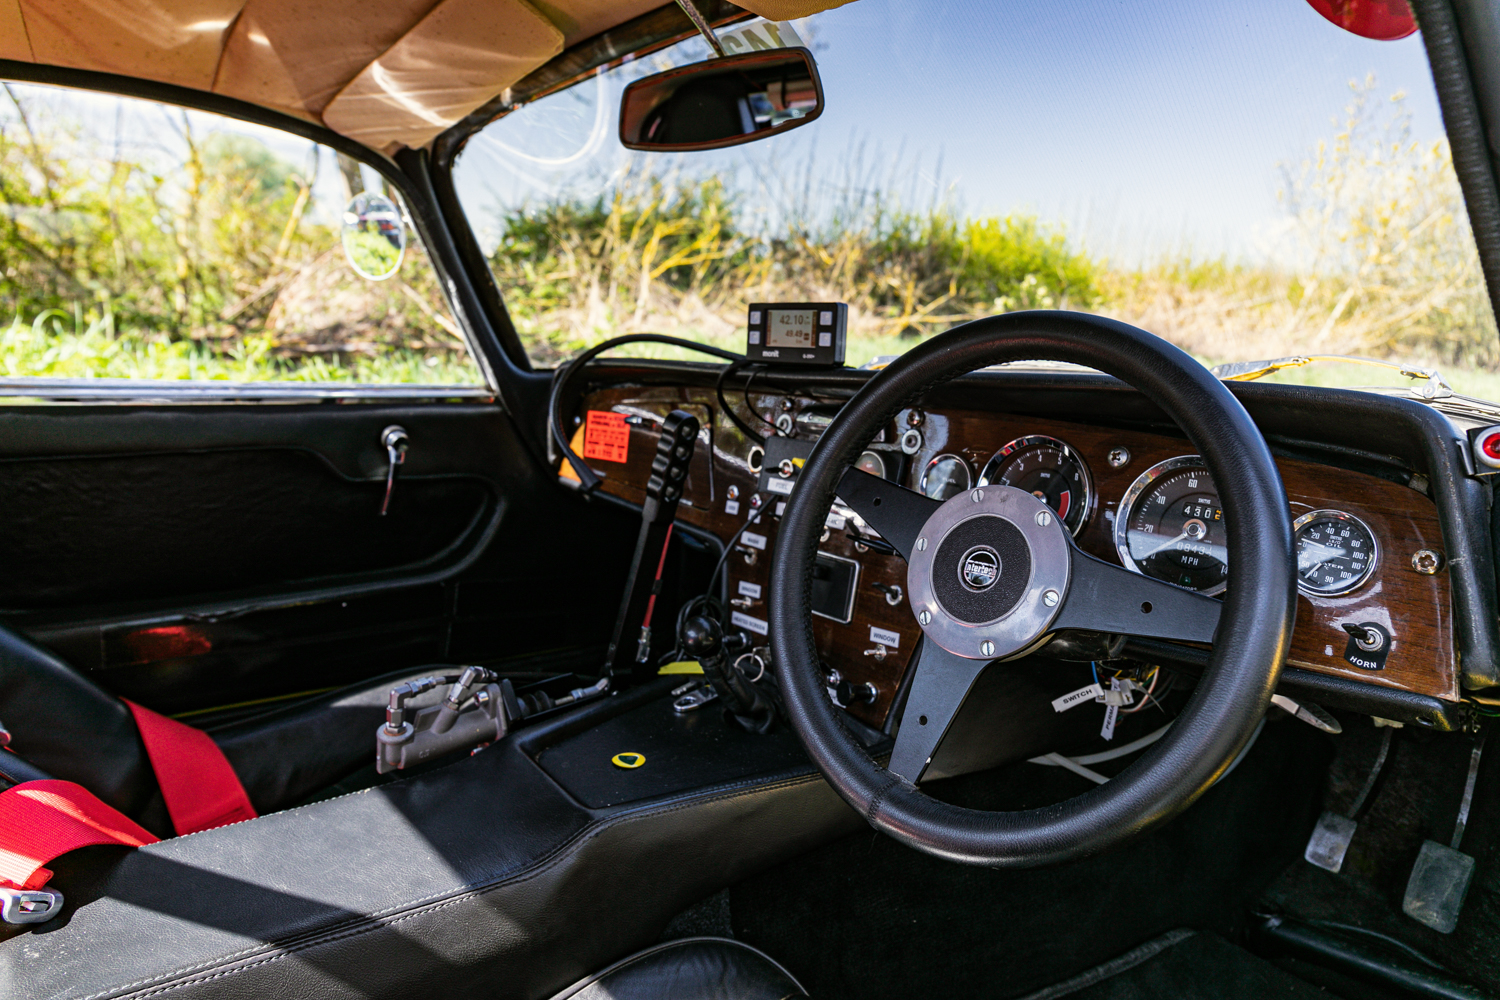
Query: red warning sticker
[(606, 436)]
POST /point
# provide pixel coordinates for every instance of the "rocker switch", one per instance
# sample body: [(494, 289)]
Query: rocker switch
[(396, 442)]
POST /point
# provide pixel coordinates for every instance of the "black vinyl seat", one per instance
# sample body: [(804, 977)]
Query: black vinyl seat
[(69, 727), (701, 968)]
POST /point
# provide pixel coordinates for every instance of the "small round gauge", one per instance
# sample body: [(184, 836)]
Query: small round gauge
[(1049, 470), (1336, 553), (871, 462), (945, 476), (1170, 526)]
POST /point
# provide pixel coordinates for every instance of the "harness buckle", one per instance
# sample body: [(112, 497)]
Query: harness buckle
[(29, 906)]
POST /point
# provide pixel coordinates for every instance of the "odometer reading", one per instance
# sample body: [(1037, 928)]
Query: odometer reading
[(1336, 553), (1049, 470), (1170, 526)]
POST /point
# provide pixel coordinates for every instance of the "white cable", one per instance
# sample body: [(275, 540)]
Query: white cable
[(1076, 764), (1099, 758), (1058, 760)]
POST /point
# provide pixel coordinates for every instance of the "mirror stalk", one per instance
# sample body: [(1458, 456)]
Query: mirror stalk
[(702, 25)]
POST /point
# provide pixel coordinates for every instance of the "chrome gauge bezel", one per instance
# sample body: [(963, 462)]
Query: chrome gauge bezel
[(871, 453), (1127, 506), (926, 469), (992, 467), (1337, 515)]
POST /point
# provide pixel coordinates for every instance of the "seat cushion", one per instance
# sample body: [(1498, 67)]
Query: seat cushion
[(702, 968)]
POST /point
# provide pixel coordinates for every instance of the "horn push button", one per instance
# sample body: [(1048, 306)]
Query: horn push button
[(981, 570)]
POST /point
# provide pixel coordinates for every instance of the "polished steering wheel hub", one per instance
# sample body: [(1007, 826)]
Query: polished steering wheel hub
[(988, 572)]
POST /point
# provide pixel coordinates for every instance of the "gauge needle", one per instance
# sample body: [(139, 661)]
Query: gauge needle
[(1164, 545), (1311, 555)]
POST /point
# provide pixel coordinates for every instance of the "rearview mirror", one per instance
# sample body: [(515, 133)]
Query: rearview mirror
[(722, 102)]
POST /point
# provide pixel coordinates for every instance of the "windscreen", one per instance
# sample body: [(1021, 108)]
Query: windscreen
[(1247, 181)]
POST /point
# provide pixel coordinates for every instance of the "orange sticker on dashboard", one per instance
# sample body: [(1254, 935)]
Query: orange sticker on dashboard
[(606, 436)]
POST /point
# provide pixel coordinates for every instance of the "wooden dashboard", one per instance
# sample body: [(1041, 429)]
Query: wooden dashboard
[(720, 489)]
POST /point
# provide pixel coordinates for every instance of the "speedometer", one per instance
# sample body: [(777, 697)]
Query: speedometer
[(1170, 526), (1336, 553)]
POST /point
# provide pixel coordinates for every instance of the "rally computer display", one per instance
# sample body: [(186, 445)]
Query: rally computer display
[(797, 333), (1170, 526)]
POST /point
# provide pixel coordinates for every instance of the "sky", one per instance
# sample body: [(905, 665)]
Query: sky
[(1142, 129)]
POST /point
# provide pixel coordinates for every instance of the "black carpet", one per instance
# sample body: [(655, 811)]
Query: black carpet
[(1418, 800), (870, 919)]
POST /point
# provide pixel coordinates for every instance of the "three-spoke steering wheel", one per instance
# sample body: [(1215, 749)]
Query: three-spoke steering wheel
[(993, 573)]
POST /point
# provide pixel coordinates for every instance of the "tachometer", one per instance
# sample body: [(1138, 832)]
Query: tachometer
[(945, 476), (1336, 553), (1170, 526), (1049, 470)]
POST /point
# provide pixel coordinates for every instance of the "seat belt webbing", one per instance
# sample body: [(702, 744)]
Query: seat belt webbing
[(200, 788), (42, 820)]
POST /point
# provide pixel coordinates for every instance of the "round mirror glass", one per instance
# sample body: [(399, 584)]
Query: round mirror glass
[(374, 236)]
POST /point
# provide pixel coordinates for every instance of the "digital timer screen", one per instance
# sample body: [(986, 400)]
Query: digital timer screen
[(790, 327)]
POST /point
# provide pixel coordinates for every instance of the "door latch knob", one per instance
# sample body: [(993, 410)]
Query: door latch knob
[(396, 442)]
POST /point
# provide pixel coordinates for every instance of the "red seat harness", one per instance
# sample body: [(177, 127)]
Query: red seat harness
[(41, 820), (201, 789)]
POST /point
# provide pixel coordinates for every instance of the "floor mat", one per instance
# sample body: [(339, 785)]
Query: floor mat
[(1419, 800), (867, 918), (1183, 965)]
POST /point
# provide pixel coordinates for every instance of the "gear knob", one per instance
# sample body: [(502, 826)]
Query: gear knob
[(701, 636)]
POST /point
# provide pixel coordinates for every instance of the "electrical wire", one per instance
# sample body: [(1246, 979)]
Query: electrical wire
[(728, 548), (588, 480), (734, 418), (751, 406), (1146, 697)]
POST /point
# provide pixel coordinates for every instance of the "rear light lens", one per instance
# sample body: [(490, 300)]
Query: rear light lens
[(1383, 20)]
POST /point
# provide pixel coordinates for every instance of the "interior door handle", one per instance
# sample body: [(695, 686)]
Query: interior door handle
[(396, 442)]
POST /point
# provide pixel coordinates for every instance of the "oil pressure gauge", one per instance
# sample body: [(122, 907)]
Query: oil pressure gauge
[(1336, 553)]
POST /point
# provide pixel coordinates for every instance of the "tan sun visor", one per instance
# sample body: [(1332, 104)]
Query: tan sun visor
[(457, 57), (174, 42), (788, 10)]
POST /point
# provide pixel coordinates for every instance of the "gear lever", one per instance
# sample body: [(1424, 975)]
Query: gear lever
[(705, 641)]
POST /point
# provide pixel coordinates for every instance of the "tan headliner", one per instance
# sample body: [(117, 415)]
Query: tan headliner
[(386, 73)]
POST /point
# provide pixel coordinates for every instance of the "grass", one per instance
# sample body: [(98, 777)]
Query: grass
[(57, 344)]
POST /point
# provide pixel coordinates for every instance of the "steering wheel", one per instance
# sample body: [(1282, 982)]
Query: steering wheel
[(992, 573)]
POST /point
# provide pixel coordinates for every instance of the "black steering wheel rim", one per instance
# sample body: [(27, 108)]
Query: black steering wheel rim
[(1254, 631)]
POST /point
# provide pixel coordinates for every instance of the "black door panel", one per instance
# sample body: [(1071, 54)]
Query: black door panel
[(186, 526), (196, 556)]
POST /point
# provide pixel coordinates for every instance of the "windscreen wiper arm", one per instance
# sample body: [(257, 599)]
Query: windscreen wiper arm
[(1434, 387)]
